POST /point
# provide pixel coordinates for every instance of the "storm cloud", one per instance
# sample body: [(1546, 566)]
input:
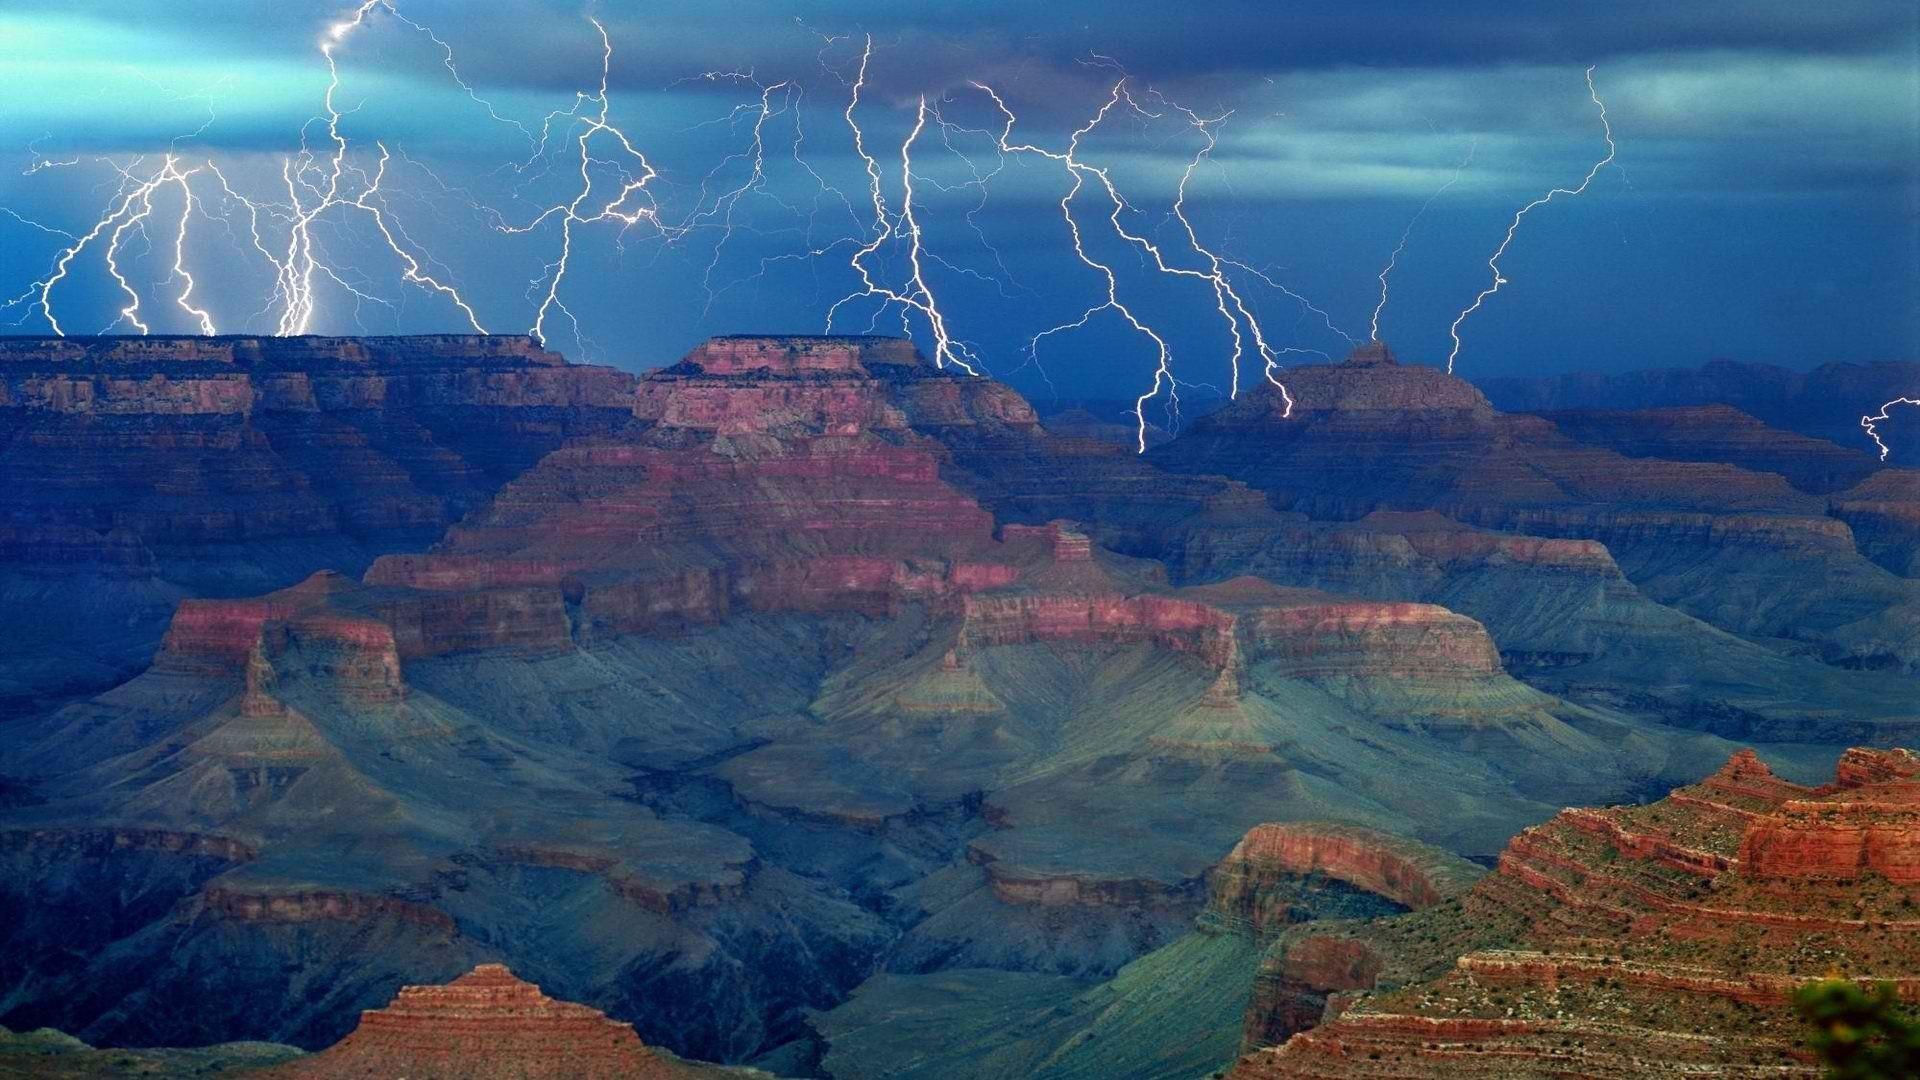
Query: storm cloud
[(1763, 202)]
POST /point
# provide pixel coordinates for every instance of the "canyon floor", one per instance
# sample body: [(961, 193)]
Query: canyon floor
[(805, 707)]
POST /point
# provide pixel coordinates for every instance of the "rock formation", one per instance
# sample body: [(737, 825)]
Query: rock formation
[(139, 470), (1174, 1012), (487, 1023), (1884, 513), (801, 666), (1717, 541), (1664, 939), (1825, 403), (1409, 874), (1724, 434)]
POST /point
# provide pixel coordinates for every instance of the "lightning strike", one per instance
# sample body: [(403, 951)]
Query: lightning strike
[(127, 213), (633, 186), (296, 271), (918, 296), (1234, 311), (1867, 422), (1493, 262), (1373, 328)]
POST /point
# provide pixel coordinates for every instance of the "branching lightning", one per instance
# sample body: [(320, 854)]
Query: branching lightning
[(1373, 327), (1234, 310), (333, 180), (635, 173), (295, 271), (316, 186), (1867, 422), (1493, 262), (918, 295)]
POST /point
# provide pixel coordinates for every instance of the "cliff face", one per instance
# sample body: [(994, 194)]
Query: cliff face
[(1825, 403), (187, 442), (1410, 874), (1884, 513), (1720, 433), (1688, 527), (138, 470), (1697, 915)]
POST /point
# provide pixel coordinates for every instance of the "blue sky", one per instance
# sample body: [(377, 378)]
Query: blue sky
[(1762, 204)]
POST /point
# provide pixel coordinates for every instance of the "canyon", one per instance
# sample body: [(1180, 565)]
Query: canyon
[(800, 703), (1663, 939)]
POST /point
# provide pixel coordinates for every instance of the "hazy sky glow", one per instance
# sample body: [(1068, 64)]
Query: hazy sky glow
[(1764, 203)]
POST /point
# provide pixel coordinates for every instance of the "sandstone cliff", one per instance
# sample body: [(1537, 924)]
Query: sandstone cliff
[(136, 471), (1664, 939)]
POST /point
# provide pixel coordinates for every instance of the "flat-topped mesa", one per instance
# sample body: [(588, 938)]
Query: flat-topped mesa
[(1371, 354), (485, 1024), (1719, 433), (783, 386), (238, 376), (800, 354), (1291, 633), (1372, 378), (821, 386)]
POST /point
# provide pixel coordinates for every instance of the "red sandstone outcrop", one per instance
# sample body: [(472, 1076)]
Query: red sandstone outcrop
[(1697, 916), (1410, 873), (486, 1024)]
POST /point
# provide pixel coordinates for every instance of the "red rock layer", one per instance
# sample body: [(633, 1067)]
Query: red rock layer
[(484, 1024), (190, 441), (1409, 873), (717, 504), (1654, 940)]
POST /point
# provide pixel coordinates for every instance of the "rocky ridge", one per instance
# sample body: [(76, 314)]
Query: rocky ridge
[(1714, 540), (820, 688), (1652, 940), (137, 471)]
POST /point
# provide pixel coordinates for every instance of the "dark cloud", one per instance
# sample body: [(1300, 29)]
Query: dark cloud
[(1767, 158)]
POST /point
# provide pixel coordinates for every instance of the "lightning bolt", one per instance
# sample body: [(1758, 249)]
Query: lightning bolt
[(634, 175), (1233, 309), (1867, 422), (918, 295), (1493, 262), (127, 212), (1078, 171), (296, 271), (1373, 330)]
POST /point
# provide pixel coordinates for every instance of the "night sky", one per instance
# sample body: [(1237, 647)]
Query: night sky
[(1764, 203)]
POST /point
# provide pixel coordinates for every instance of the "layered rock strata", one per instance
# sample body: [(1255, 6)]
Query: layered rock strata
[(135, 471), (1664, 939), (1716, 540), (487, 1023)]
